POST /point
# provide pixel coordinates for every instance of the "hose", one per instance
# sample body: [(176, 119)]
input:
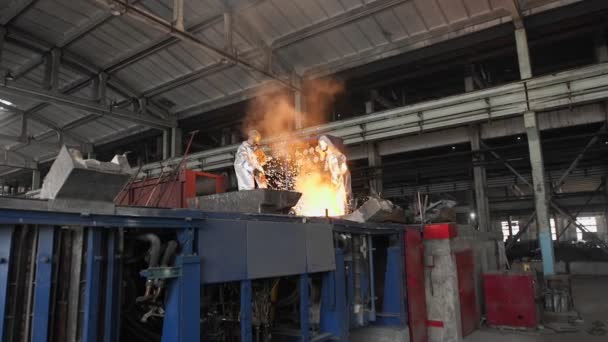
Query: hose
[(154, 248), (169, 253)]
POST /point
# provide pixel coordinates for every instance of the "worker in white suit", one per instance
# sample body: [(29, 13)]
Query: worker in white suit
[(335, 163), (247, 163)]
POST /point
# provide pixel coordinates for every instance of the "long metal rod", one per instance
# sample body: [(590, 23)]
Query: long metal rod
[(579, 211), (82, 104), (552, 202), (189, 37), (578, 158)]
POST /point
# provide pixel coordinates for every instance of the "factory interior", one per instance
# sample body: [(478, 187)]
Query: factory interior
[(303, 170)]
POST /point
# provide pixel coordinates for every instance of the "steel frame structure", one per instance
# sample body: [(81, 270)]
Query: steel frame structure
[(182, 308), (540, 94)]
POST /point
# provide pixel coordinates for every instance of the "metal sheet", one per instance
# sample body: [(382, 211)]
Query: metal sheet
[(275, 249), (320, 254), (416, 295), (251, 249), (469, 312), (224, 242), (249, 201)]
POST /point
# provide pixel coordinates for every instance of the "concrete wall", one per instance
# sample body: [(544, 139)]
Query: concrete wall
[(441, 277)]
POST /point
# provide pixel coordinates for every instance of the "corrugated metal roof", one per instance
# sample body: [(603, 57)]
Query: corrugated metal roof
[(307, 35)]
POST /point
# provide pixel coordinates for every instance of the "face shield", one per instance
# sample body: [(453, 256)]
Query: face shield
[(324, 143), (255, 137)]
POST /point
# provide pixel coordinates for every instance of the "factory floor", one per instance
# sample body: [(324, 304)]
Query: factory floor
[(590, 300)]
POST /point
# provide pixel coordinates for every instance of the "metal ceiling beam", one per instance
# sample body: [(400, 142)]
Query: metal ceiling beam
[(90, 106), (2, 38), (186, 36), (515, 10), (336, 22), (187, 78), (166, 42), (79, 64), (15, 10), (252, 34)]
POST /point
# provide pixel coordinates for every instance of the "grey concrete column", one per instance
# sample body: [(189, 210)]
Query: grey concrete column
[(36, 180), (369, 107), (601, 48), (374, 161), (165, 144), (480, 183), (299, 109), (469, 85), (176, 142), (235, 136), (540, 194), (523, 53)]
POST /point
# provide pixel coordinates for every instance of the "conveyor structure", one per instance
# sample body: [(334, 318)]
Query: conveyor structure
[(176, 275)]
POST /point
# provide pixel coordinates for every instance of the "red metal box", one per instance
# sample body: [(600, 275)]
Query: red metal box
[(510, 299)]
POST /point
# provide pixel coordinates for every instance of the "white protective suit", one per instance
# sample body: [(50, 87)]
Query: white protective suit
[(335, 163), (245, 162)]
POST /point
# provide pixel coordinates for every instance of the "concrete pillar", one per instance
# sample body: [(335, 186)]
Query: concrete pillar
[(36, 180), (523, 53), (299, 109), (374, 161), (469, 85), (176, 142), (601, 48), (480, 183), (540, 195), (235, 136), (369, 107), (165, 144)]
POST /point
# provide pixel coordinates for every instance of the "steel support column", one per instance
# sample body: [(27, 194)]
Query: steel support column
[(42, 290), (334, 308), (112, 305), (480, 182), (540, 195), (246, 314), (182, 314), (304, 308), (523, 53), (6, 237), (90, 329)]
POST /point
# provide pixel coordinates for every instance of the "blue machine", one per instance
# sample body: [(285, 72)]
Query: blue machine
[(74, 274)]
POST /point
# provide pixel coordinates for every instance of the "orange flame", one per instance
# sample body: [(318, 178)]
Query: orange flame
[(319, 196), (272, 113)]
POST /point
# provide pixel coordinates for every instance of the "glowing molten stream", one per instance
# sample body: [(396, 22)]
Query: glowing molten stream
[(319, 196)]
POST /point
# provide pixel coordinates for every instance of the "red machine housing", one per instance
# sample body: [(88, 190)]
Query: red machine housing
[(171, 192), (510, 299)]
